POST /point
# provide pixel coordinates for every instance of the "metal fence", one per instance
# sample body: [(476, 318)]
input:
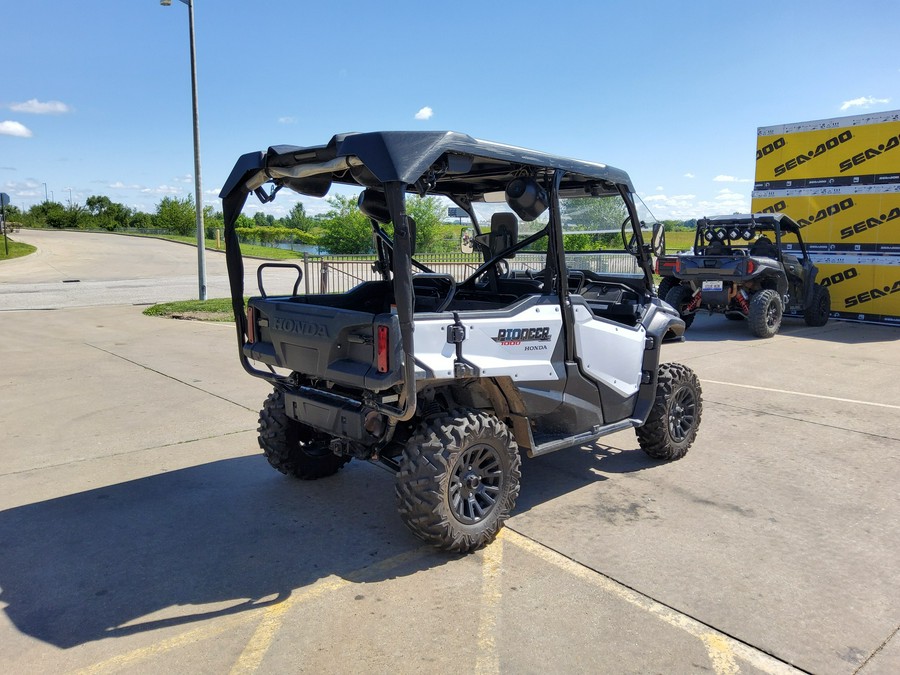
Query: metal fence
[(338, 274)]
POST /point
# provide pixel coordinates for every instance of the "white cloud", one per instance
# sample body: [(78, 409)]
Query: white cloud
[(10, 128), (864, 102), (659, 188), (119, 185), (730, 179), (728, 201), (287, 120), (163, 190), (424, 113), (678, 207), (36, 107), (689, 175)]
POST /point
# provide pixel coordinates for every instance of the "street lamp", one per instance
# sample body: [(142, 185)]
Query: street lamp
[(198, 194)]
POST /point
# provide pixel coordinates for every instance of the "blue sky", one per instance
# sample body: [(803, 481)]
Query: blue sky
[(95, 95)]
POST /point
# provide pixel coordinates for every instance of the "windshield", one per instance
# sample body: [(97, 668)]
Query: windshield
[(597, 235)]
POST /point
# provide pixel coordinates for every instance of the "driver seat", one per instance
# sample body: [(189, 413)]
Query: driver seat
[(764, 248)]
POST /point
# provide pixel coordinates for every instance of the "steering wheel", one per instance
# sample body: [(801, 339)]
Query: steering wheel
[(628, 243)]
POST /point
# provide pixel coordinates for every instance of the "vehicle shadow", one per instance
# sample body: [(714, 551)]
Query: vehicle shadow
[(716, 328), (551, 476), (131, 557)]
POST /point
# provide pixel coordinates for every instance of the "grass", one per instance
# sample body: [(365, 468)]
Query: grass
[(679, 241), (16, 249), (268, 252), (216, 309)]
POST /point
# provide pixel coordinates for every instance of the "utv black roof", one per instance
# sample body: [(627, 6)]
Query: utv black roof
[(444, 162), (764, 220)]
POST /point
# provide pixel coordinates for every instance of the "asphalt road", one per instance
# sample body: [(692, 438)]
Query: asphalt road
[(141, 531)]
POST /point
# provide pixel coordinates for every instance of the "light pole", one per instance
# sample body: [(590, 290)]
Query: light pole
[(198, 193)]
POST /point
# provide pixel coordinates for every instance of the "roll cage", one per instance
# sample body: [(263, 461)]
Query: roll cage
[(463, 169)]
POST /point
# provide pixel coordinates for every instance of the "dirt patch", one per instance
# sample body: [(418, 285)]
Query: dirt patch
[(202, 316)]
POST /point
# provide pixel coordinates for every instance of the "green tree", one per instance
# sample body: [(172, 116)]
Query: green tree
[(105, 213), (261, 219), (176, 216), (432, 235), (140, 220), (13, 214), (213, 220), (297, 218), (345, 229)]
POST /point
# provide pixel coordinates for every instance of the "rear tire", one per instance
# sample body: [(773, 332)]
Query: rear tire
[(458, 480), (820, 308), (294, 448), (679, 297), (672, 425), (765, 313), (666, 284)]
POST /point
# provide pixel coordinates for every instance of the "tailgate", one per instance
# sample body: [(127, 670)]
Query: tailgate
[(344, 346)]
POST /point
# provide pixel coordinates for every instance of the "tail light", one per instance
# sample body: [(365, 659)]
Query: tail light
[(382, 346), (750, 266), (678, 265), (251, 323)]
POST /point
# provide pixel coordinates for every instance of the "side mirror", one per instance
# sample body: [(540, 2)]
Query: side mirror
[(466, 245), (658, 240), (504, 232)]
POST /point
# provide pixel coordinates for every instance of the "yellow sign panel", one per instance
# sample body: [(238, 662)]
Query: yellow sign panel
[(844, 218), (839, 179), (845, 148), (863, 292)]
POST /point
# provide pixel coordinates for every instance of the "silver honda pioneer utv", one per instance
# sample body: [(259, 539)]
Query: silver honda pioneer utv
[(536, 343)]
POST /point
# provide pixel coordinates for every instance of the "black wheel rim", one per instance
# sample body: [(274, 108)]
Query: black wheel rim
[(772, 314), (475, 484), (682, 413)]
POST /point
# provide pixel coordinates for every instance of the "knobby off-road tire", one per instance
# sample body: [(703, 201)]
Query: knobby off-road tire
[(293, 448), (672, 425), (458, 480), (817, 313), (679, 297), (765, 313), (666, 284)]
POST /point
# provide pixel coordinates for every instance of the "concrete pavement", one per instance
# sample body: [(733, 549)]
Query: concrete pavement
[(141, 531)]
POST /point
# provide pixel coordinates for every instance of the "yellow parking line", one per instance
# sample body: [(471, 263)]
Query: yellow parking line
[(721, 654), (265, 633), (488, 661), (144, 653), (262, 638), (723, 649)]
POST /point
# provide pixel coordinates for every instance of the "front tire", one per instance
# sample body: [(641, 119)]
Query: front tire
[(672, 425), (680, 297), (765, 313), (458, 480), (819, 309), (293, 448)]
